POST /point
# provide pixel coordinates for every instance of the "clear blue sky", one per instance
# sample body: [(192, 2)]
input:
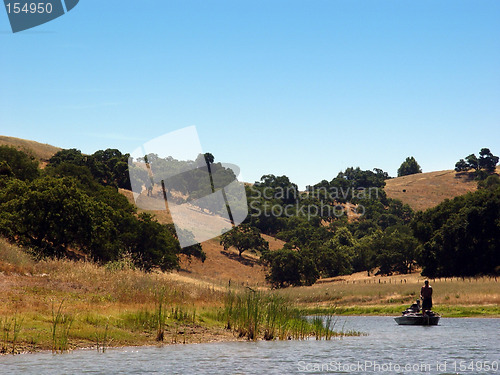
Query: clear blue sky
[(302, 88)]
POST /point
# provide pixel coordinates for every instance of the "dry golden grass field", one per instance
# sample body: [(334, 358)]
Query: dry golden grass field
[(114, 305), (41, 151), (425, 190)]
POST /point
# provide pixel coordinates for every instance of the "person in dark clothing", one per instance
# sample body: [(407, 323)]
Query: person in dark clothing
[(416, 306), (426, 296)]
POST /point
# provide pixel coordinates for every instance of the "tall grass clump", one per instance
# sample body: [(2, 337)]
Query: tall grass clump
[(181, 314), (13, 259), (5, 325), (16, 327), (8, 337), (102, 341), (160, 299), (61, 325), (269, 316), (124, 263)]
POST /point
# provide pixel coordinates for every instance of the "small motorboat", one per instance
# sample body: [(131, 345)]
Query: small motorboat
[(414, 316)]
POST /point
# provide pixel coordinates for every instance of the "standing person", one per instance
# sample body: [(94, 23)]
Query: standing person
[(426, 296)]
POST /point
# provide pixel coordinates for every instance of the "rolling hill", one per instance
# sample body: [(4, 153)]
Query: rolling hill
[(425, 190), (221, 265), (41, 151), (420, 191)]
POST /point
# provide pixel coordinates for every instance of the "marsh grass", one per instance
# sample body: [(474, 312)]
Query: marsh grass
[(140, 320), (16, 328), (181, 314), (102, 340), (14, 323), (160, 297), (5, 325), (61, 325), (136, 307), (269, 316)]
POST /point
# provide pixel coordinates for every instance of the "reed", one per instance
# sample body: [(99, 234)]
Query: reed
[(8, 337), (269, 316), (329, 321), (102, 341), (16, 326), (181, 313), (5, 324), (61, 325), (160, 313)]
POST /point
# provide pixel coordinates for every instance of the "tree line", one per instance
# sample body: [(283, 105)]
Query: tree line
[(459, 237), (482, 167), (72, 208)]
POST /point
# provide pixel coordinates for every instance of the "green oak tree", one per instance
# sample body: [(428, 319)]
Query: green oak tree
[(244, 238), (408, 167)]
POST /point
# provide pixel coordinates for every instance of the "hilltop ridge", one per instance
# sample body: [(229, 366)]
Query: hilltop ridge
[(426, 190), (41, 151)]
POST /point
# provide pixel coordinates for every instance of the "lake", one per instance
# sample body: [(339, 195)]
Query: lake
[(456, 346)]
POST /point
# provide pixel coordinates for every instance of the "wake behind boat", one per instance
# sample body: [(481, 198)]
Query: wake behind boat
[(414, 316)]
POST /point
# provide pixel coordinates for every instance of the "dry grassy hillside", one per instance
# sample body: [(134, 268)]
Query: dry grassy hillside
[(221, 265), (41, 151), (425, 190)]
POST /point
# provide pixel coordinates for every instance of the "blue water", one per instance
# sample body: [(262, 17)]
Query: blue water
[(456, 346)]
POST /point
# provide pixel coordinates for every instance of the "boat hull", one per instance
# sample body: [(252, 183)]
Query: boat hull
[(417, 320)]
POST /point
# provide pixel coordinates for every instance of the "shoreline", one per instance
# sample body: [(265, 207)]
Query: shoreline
[(446, 311), (214, 336), (205, 335), (88, 304)]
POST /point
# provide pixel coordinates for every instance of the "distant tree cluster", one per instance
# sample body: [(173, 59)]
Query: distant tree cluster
[(461, 237), (193, 179), (288, 267), (482, 166), (457, 238), (326, 246), (348, 182), (72, 208), (108, 167)]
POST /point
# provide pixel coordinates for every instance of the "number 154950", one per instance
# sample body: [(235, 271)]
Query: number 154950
[(29, 8)]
